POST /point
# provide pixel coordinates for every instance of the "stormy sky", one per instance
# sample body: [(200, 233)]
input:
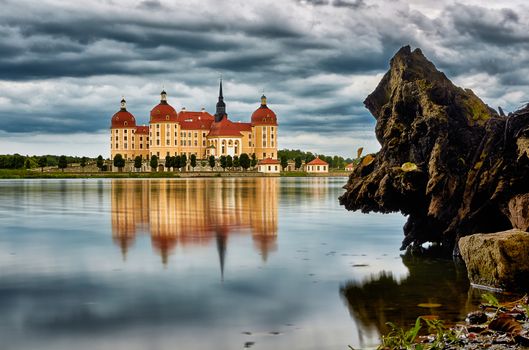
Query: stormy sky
[(65, 65)]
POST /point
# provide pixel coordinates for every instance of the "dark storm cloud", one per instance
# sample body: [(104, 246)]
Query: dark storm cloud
[(293, 49)]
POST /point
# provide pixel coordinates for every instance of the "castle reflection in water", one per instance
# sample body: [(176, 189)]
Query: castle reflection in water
[(195, 212)]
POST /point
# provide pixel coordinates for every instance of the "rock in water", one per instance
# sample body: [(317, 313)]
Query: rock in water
[(470, 161), (498, 260)]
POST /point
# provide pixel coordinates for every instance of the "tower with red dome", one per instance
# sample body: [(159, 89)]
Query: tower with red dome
[(126, 138), (264, 125)]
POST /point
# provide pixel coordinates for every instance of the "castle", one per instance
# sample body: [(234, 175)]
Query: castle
[(172, 133)]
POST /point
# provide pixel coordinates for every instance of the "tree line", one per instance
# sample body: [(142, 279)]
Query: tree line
[(299, 156), (179, 163), (17, 161)]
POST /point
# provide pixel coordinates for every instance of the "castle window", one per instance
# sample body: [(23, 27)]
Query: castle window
[(272, 143), (125, 146), (157, 126), (203, 143), (158, 133), (116, 138), (175, 142), (196, 135), (117, 131), (125, 138), (264, 143), (117, 146), (133, 148), (141, 138), (189, 135), (196, 143), (125, 123), (158, 142), (175, 134), (272, 136), (141, 146), (168, 143)]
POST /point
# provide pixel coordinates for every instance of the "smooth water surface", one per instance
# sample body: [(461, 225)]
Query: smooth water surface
[(261, 263)]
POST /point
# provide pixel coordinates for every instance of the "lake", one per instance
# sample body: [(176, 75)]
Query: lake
[(227, 263)]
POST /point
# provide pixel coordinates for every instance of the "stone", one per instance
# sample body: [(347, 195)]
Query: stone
[(497, 260), (518, 212), (470, 161)]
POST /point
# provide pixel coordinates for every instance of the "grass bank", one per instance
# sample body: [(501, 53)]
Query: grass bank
[(35, 174)]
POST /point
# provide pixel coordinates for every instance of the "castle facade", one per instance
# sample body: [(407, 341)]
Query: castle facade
[(172, 133)]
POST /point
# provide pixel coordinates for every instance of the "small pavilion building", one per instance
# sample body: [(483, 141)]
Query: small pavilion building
[(317, 166), (269, 166)]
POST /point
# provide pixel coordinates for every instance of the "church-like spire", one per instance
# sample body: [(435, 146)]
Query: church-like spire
[(221, 106), (123, 104), (163, 99)]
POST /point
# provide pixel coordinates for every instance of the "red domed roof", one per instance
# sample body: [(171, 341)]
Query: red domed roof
[(264, 116), (163, 112), (123, 119)]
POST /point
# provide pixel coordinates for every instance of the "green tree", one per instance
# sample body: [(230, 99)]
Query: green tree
[(177, 162), (154, 162), (203, 163), (137, 163), (284, 162), (298, 162), (193, 161), (183, 162), (43, 161), (254, 160), (27, 163), (211, 161), (223, 162), (168, 162), (329, 160), (63, 163), (245, 161), (229, 162), (236, 162), (119, 161), (82, 163), (100, 162), (309, 158)]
